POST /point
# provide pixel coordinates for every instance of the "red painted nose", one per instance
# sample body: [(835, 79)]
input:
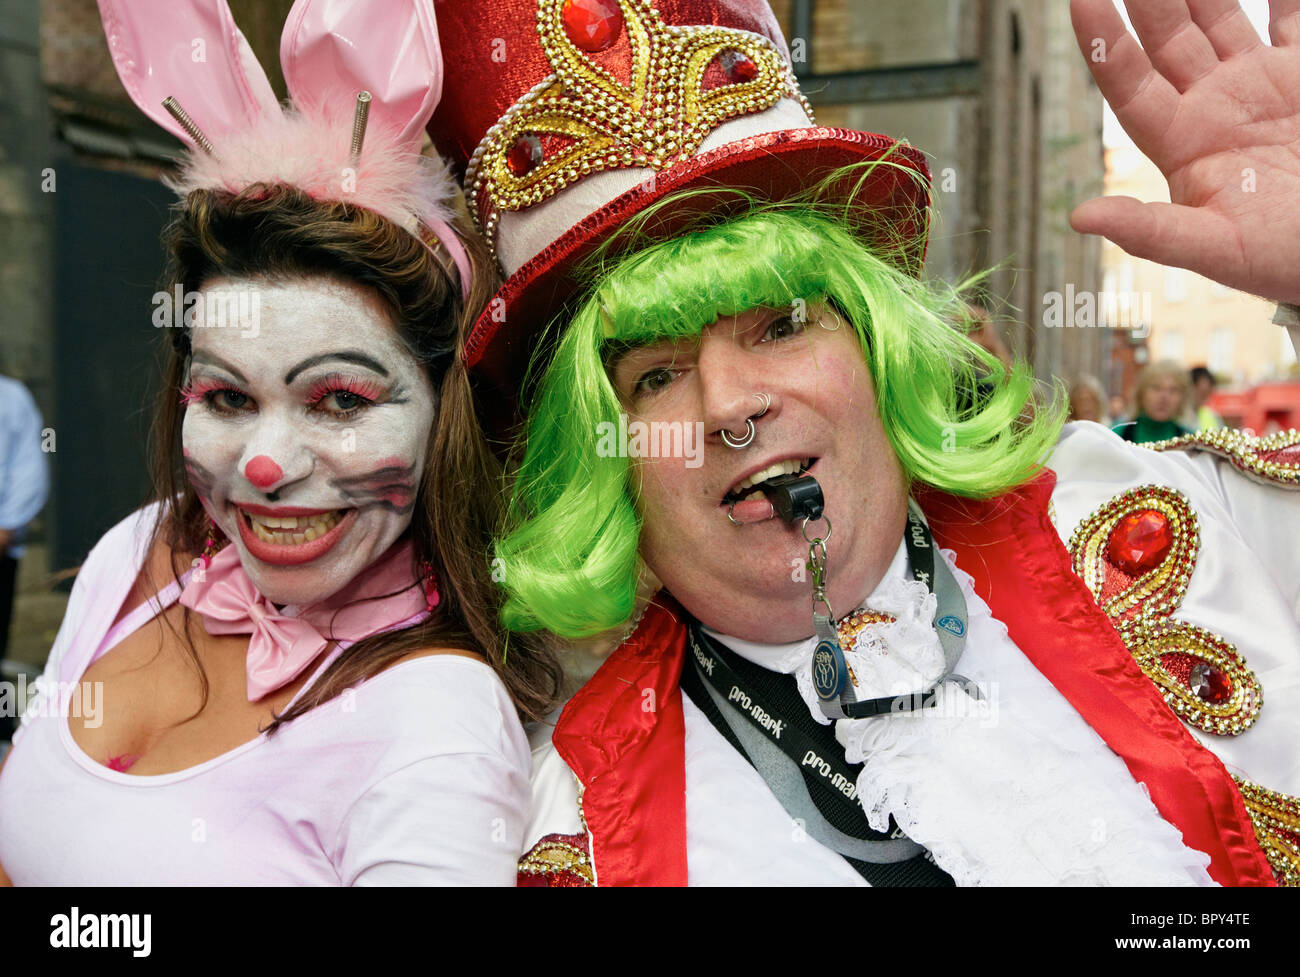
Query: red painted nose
[(262, 472)]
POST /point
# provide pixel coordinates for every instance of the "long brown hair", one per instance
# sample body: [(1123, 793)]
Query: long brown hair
[(278, 232)]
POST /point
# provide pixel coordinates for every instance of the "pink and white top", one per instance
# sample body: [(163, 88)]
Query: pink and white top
[(418, 775)]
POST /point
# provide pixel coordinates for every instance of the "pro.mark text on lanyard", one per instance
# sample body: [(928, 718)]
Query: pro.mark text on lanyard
[(714, 669), (756, 712)]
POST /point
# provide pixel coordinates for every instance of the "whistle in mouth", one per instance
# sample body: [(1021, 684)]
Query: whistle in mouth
[(795, 497)]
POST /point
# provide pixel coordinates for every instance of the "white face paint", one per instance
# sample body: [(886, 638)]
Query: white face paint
[(305, 437)]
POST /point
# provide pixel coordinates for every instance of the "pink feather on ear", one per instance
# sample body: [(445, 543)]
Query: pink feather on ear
[(312, 153)]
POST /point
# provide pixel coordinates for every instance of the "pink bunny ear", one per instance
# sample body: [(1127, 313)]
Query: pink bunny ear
[(192, 51), (333, 49)]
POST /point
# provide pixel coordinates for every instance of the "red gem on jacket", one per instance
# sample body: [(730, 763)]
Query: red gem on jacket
[(524, 155), (593, 25), (1210, 684), (738, 66), (1139, 541)]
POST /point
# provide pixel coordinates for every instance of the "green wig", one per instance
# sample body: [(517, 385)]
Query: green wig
[(957, 419)]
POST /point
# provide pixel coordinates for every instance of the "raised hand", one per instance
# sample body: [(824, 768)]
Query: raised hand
[(1219, 112)]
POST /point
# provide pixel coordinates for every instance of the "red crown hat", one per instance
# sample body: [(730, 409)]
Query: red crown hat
[(571, 116)]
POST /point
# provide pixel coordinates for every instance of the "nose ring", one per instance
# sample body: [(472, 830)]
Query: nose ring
[(743, 441), (747, 438)]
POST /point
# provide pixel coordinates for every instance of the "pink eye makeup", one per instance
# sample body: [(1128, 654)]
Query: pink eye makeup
[(336, 394), (217, 395), (344, 395)]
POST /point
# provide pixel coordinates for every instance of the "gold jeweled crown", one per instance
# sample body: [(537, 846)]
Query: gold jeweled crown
[(684, 82)]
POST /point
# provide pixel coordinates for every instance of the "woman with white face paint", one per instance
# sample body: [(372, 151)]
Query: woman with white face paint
[(288, 669)]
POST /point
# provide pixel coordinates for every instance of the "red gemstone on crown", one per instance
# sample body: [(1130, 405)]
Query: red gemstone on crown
[(738, 66), (1140, 541), (593, 25), (524, 155), (1210, 684)]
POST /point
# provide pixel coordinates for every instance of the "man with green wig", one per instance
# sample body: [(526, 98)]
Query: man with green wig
[(881, 618)]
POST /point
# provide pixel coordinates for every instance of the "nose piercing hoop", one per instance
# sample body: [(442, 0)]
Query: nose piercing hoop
[(747, 438), (743, 441)]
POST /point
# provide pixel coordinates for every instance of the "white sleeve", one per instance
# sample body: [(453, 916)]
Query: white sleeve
[(111, 566), (1265, 514), (441, 820), (453, 810), (47, 682)]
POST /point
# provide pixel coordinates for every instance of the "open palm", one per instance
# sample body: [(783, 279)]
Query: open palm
[(1218, 111)]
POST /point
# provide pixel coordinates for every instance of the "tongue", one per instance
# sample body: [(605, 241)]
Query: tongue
[(752, 510)]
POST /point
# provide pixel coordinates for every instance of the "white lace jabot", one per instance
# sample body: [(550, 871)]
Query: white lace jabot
[(1012, 789)]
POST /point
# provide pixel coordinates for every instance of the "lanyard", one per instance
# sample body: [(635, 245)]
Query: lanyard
[(754, 706), (751, 707), (830, 672)]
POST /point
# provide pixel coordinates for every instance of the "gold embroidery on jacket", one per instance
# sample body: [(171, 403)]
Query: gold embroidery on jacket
[(1136, 555)]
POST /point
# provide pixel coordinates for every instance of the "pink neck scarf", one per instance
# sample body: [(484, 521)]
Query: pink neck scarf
[(386, 596)]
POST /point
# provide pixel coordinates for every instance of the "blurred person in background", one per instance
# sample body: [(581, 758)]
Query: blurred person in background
[(1118, 411), (1200, 416), (1086, 400), (985, 334), (24, 487), (1163, 392)]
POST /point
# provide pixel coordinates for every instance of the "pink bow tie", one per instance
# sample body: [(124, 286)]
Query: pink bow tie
[(281, 643)]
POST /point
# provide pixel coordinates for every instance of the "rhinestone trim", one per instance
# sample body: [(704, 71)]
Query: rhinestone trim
[(1274, 458), (1142, 608), (1276, 820), (859, 621), (563, 860)]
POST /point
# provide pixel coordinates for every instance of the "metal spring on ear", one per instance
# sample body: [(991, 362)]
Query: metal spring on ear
[(359, 119), (173, 108)]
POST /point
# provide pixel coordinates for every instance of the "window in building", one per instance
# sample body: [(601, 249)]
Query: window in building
[(1171, 345), (1126, 277), (1175, 285), (1221, 350)]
